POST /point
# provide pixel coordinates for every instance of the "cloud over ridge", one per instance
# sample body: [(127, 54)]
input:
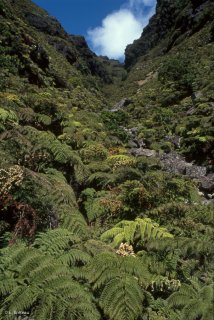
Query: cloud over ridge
[(121, 27)]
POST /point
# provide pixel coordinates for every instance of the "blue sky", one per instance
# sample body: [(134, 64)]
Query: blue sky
[(108, 25)]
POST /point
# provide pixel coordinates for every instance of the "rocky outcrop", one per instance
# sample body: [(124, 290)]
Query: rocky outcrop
[(173, 163), (207, 183), (64, 48), (40, 56), (137, 152), (121, 105), (45, 23)]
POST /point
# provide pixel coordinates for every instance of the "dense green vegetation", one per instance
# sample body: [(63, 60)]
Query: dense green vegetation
[(89, 229)]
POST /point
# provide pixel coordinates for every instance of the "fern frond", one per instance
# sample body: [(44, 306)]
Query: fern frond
[(95, 247), (43, 284), (101, 179), (80, 172), (74, 221), (63, 239), (46, 140), (43, 119), (22, 298), (62, 192), (7, 117), (100, 263), (7, 286), (187, 246), (111, 233), (128, 231), (122, 299), (105, 266), (74, 256), (118, 279), (196, 301)]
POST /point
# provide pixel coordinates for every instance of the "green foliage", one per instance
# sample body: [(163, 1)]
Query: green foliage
[(38, 282), (195, 300), (178, 69), (7, 118), (74, 221), (120, 160), (134, 196), (94, 152), (77, 164), (114, 122), (62, 153), (63, 247), (118, 279), (126, 296), (164, 187), (132, 231), (92, 203)]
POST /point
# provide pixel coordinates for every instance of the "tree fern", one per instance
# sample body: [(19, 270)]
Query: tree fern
[(95, 247), (42, 285), (43, 119), (187, 246), (62, 192), (122, 298), (61, 152), (7, 117), (73, 220), (118, 280), (202, 214), (195, 300), (131, 231), (53, 189), (152, 262), (101, 179), (119, 175), (63, 240), (80, 172), (29, 116), (62, 247)]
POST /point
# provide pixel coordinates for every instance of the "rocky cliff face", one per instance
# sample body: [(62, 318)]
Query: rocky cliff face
[(172, 22)]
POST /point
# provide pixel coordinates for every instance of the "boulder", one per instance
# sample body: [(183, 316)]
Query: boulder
[(196, 171), (143, 152), (121, 104), (207, 183), (172, 162)]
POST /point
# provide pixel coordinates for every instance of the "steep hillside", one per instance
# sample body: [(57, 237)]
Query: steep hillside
[(173, 22), (106, 173)]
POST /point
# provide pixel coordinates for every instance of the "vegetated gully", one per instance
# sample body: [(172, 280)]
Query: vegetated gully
[(171, 162)]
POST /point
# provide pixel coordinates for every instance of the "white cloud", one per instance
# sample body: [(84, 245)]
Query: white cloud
[(121, 28), (118, 29)]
